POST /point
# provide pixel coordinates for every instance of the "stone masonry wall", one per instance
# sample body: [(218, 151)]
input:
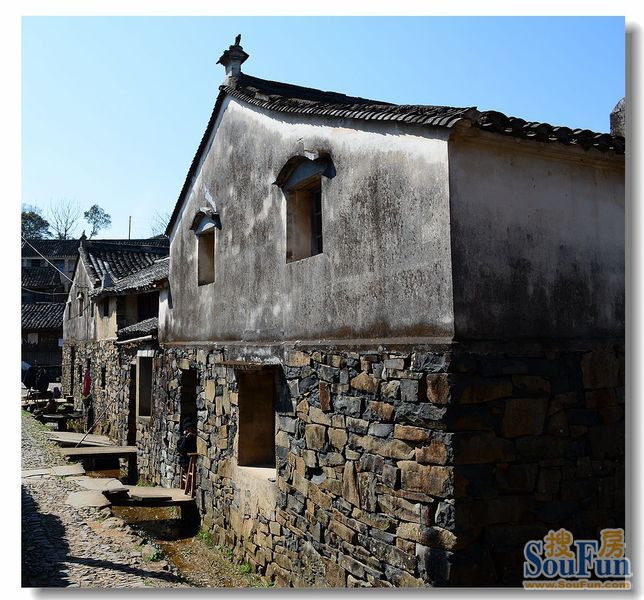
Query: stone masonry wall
[(111, 401), (403, 466)]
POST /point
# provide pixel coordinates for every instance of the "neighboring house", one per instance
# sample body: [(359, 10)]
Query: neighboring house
[(113, 291), (42, 326), (401, 330), (50, 273), (44, 287)]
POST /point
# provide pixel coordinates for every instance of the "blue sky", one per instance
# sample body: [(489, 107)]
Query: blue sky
[(113, 108)]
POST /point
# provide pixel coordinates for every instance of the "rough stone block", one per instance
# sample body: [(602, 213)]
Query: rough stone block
[(348, 405), (357, 425), (419, 413), (391, 476), (412, 390), (436, 453), (524, 416), (530, 384), (470, 448), (330, 459), (350, 484), (367, 491), (211, 386), (381, 411), (325, 396), (381, 429), (394, 363), (296, 358), (365, 382), (486, 390), (336, 576), (409, 433), (516, 478), (600, 369), (319, 417), (338, 438), (343, 532), (399, 508), (386, 448), (430, 362), (433, 480), (438, 390), (315, 436)]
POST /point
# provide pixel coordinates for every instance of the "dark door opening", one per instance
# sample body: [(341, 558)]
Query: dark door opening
[(188, 396), (71, 371), (131, 407), (256, 435)]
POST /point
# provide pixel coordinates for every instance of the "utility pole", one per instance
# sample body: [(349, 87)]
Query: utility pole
[(129, 228)]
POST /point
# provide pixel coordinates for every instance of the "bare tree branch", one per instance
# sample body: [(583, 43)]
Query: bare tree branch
[(63, 218), (159, 222)]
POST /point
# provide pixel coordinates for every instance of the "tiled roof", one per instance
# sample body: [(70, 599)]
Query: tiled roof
[(49, 248), (286, 98), (141, 280), (69, 248), (119, 260), (147, 327), (293, 99), (40, 277), (43, 315)]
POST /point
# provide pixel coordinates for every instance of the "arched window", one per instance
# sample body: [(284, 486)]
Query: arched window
[(205, 224), (301, 181)]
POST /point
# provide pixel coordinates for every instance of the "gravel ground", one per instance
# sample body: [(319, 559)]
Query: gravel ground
[(64, 546)]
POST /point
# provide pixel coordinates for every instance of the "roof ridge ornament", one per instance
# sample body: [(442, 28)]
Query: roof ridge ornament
[(232, 60)]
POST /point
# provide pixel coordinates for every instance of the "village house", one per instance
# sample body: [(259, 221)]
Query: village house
[(41, 324), (400, 329), (46, 268), (111, 314)]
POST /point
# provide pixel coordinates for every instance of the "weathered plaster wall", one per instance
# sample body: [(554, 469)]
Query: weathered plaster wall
[(106, 326), (385, 269), (79, 328), (537, 240)]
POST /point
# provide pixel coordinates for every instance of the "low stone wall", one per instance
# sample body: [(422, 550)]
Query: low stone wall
[(401, 466)]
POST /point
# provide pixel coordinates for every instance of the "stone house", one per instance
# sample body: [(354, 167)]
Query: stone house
[(110, 315), (401, 330)]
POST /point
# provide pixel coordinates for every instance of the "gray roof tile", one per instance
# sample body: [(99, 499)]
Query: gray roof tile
[(42, 315)]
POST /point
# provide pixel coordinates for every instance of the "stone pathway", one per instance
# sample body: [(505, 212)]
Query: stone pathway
[(63, 546)]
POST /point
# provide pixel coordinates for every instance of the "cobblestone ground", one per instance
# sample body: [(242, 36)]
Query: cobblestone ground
[(64, 546)]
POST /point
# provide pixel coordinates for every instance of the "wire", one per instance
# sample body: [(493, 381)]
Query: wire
[(45, 293), (46, 259)]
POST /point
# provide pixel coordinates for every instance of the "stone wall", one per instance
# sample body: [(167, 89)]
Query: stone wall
[(112, 401), (401, 466)]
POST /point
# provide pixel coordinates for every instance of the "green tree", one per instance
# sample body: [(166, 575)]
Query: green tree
[(97, 218), (33, 224)]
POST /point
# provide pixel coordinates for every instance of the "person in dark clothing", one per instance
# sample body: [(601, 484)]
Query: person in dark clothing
[(42, 381), (187, 442)]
